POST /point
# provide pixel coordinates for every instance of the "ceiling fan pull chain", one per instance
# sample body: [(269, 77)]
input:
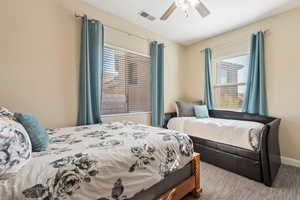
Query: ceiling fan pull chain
[(186, 13)]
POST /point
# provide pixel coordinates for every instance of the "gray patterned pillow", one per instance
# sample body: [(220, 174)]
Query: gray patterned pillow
[(15, 147), (4, 112), (186, 109)]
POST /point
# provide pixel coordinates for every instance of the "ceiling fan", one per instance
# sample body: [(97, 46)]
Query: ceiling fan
[(185, 5)]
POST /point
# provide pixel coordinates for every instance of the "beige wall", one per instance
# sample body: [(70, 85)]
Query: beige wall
[(39, 58), (282, 69)]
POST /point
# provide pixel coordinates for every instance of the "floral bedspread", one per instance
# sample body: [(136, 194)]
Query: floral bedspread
[(99, 162)]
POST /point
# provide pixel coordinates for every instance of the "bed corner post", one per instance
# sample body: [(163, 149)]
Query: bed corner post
[(196, 172)]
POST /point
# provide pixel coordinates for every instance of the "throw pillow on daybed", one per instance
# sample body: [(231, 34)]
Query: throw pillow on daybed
[(201, 111), (186, 109), (15, 147), (37, 133)]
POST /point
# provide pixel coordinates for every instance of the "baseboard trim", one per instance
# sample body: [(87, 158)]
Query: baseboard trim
[(290, 161)]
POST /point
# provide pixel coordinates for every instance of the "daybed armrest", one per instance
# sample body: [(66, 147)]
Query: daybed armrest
[(270, 151), (169, 116)]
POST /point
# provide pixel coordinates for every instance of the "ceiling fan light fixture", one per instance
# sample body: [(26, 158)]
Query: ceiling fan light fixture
[(183, 4), (186, 4), (194, 3)]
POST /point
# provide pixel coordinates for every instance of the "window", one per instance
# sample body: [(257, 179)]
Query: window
[(126, 82), (230, 82)]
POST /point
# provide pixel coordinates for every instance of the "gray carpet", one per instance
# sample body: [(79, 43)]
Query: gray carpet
[(219, 184)]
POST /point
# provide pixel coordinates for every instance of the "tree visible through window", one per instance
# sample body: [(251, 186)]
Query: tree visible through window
[(126, 82), (230, 82)]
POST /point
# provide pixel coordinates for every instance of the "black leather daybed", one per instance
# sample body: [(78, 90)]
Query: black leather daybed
[(261, 165)]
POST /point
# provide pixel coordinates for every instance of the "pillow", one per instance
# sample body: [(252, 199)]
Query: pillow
[(201, 111), (4, 112), (15, 147), (186, 109), (37, 133)]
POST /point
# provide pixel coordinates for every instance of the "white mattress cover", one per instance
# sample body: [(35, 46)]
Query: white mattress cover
[(243, 134)]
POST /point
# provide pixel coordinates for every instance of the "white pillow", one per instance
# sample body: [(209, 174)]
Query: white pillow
[(4, 112), (15, 147)]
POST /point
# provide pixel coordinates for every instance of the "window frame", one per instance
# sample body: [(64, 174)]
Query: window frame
[(132, 52), (214, 76), (126, 50)]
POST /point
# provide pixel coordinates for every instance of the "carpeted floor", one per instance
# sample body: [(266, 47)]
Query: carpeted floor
[(219, 184)]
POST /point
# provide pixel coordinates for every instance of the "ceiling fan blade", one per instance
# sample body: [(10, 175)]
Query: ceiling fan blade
[(202, 9), (170, 10)]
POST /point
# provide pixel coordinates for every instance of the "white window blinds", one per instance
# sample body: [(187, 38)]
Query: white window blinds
[(126, 82), (230, 82)]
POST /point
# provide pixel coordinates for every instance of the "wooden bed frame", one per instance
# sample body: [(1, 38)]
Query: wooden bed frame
[(192, 184)]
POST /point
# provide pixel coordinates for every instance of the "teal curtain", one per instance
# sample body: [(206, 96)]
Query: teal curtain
[(157, 83), (255, 97), (91, 64), (208, 90)]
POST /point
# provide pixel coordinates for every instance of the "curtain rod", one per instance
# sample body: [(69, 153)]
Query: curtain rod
[(119, 30), (264, 31)]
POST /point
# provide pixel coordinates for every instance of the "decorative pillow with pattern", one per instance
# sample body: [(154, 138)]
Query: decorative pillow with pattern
[(15, 147), (4, 112)]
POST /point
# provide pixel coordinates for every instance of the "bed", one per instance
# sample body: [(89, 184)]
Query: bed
[(243, 143), (238, 133), (120, 160)]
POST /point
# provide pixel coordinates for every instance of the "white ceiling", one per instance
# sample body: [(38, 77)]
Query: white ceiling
[(225, 15)]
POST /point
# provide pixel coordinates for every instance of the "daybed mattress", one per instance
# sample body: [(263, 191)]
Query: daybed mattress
[(243, 134), (99, 162)]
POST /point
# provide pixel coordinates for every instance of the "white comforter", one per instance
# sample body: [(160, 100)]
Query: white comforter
[(110, 161), (244, 134)]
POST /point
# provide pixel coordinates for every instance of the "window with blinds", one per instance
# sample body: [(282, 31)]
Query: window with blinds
[(230, 82), (126, 82)]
